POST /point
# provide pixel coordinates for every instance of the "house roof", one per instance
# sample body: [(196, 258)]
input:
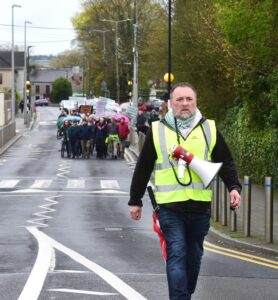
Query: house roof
[(6, 58)]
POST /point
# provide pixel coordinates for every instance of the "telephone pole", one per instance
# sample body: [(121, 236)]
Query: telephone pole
[(135, 61)]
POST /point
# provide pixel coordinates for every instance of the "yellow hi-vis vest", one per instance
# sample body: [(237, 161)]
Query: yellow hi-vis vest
[(167, 188)]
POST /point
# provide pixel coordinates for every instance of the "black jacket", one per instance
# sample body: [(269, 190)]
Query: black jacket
[(145, 166)]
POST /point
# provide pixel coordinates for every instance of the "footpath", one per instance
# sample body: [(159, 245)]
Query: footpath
[(223, 234), (256, 241), (20, 129)]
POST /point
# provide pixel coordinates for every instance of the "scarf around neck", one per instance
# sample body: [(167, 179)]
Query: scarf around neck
[(184, 126)]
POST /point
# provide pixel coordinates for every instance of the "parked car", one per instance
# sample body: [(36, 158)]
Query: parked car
[(41, 102)]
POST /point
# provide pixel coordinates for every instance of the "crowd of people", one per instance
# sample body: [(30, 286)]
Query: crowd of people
[(84, 134)]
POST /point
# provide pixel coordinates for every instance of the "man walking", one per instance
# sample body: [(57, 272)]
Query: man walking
[(184, 210)]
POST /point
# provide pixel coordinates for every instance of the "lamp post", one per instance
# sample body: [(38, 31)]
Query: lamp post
[(25, 73), (12, 59), (117, 53), (103, 41), (169, 47), (28, 59)]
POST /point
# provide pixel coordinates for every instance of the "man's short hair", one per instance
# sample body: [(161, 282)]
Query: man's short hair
[(182, 84)]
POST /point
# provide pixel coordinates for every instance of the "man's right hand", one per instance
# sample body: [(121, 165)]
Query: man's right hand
[(135, 212)]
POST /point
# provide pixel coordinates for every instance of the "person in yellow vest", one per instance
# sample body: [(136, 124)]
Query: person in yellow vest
[(184, 202)]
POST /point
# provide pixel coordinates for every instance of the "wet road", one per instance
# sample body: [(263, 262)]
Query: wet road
[(66, 232)]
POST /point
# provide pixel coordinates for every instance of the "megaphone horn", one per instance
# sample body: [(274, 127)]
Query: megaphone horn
[(204, 169)]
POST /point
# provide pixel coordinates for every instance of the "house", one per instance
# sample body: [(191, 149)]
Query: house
[(6, 71), (42, 79)]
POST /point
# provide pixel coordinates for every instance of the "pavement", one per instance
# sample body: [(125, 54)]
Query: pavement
[(20, 129), (256, 241)]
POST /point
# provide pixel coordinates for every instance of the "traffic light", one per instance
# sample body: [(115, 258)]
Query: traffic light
[(130, 83), (28, 88)]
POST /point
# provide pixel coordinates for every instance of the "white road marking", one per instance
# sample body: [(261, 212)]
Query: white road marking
[(82, 292), (108, 192), (8, 183), (70, 271), (63, 169), (75, 184), (36, 279), (33, 286), (48, 123), (41, 184), (109, 184), (41, 215), (29, 191)]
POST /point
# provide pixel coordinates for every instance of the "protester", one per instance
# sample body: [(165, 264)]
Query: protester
[(74, 137), (141, 121), (153, 117), (100, 137), (86, 134), (113, 138), (184, 211), (123, 134), (64, 131)]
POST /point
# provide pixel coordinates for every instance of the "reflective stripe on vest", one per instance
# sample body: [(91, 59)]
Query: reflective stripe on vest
[(167, 188)]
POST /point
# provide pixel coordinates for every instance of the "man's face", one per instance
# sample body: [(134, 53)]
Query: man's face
[(183, 102)]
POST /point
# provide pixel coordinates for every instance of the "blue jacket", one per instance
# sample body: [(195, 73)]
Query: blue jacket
[(85, 132)]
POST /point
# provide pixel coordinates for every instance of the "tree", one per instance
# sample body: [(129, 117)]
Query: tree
[(61, 90), (152, 21), (68, 58)]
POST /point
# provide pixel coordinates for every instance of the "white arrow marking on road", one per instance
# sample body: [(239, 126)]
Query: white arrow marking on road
[(82, 292), (4, 184), (36, 279), (109, 184)]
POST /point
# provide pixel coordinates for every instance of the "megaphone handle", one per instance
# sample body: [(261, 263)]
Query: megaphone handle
[(176, 176)]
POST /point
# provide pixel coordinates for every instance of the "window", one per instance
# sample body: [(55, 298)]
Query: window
[(37, 89), (1, 78), (47, 90)]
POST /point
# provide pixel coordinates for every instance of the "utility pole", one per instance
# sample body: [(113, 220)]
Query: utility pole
[(12, 59), (135, 61), (25, 73), (116, 22), (169, 85)]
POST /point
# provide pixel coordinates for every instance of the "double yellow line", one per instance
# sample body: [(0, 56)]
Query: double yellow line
[(242, 256)]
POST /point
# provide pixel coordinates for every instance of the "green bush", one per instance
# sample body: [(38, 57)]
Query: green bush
[(255, 151)]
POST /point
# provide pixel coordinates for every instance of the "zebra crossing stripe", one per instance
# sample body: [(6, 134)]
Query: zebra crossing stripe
[(38, 184), (76, 183), (109, 184), (4, 184)]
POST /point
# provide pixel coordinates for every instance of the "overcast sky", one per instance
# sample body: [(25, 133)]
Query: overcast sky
[(42, 13)]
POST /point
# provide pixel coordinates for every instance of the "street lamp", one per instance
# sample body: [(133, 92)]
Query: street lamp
[(25, 72), (169, 81), (116, 52), (12, 58), (103, 42)]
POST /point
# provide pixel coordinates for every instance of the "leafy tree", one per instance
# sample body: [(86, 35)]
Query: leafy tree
[(151, 41), (68, 58), (61, 90)]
